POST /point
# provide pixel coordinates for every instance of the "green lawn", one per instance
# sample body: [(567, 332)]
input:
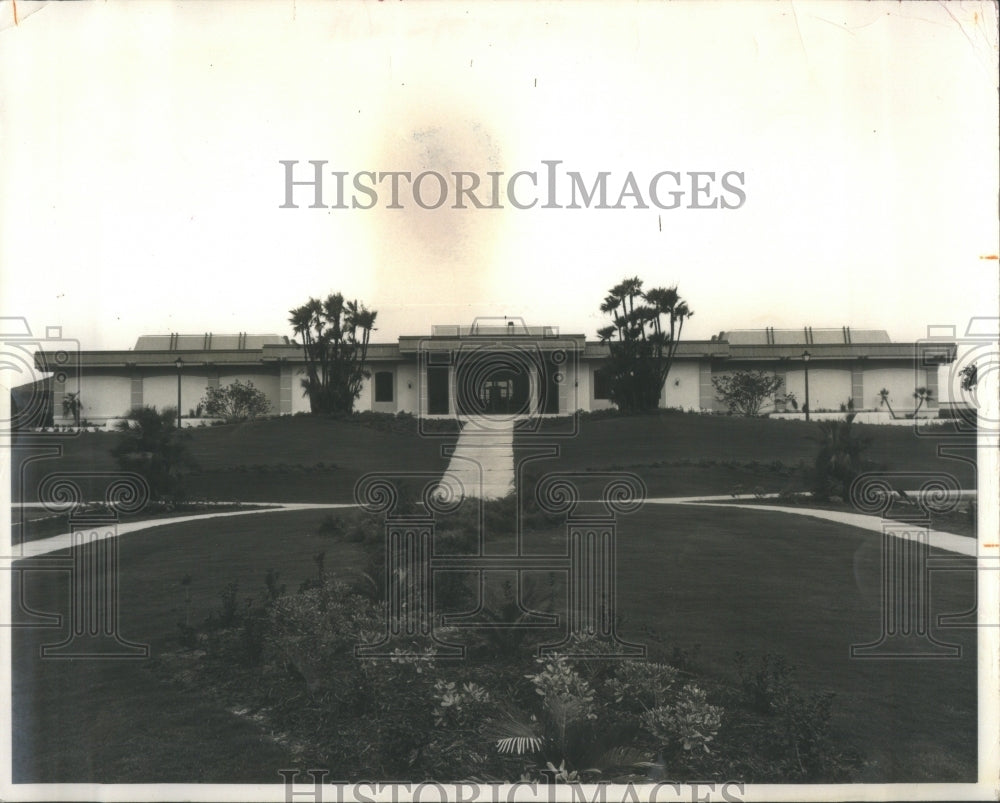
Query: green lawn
[(318, 459), (290, 459), (725, 579), (680, 454), (728, 580)]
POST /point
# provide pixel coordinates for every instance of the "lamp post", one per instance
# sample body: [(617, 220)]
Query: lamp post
[(805, 361), (179, 362)]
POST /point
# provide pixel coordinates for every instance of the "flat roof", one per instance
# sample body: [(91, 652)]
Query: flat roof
[(767, 344)]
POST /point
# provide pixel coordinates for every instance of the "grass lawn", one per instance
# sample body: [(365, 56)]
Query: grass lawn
[(725, 579), (806, 589), (289, 459), (117, 721), (680, 454), (318, 459)]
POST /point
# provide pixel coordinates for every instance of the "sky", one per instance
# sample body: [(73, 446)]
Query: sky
[(141, 182)]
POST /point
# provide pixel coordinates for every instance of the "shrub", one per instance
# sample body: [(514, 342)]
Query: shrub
[(795, 731), (839, 460), (152, 446), (236, 402), (689, 722), (291, 658), (745, 392)]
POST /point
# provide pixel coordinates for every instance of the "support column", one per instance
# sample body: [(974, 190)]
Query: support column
[(931, 384), (858, 386), (564, 386), (58, 395), (285, 384), (706, 391), (453, 407), (537, 388), (135, 399)]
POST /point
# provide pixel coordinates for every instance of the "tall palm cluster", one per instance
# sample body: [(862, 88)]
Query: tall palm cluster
[(334, 335), (643, 336)]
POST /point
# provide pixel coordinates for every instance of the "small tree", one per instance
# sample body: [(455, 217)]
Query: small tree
[(643, 336), (746, 391), (236, 402), (839, 460), (922, 395), (72, 406), (152, 446), (969, 376), (884, 397), (335, 335)]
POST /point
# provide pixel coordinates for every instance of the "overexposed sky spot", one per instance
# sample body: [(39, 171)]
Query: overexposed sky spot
[(140, 181)]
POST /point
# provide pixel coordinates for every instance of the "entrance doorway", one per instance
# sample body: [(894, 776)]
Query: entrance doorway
[(489, 386), (505, 393)]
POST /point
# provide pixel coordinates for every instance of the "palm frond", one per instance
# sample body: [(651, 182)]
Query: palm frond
[(519, 745), (515, 734), (622, 757)]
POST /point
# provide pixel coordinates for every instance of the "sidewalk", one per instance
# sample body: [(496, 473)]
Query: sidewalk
[(938, 539), (482, 463), (499, 480)]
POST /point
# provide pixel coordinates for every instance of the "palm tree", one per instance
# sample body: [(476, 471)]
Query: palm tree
[(335, 335), (72, 406), (643, 351), (884, 396), (922, 395)]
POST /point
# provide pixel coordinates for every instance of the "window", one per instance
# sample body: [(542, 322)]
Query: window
[(383, 386), (602, 384)]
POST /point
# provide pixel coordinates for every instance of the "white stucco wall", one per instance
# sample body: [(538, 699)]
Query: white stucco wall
[(571, 394), (300, 400), (828, 388), (407, 388), (364, 400), (105, 395), (900, 382), (159, 388), (681, 387), (267, 382)]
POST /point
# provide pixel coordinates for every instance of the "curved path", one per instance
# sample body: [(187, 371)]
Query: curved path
[(949, 542)]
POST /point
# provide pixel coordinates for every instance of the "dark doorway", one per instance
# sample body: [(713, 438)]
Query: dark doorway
[(550, 389), (492, 385), (437, 390)]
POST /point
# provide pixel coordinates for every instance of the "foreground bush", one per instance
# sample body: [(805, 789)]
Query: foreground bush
[(290, 659)]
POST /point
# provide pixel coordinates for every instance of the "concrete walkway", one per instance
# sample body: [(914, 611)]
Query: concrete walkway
[(43, 546), (949, 542), (938, 539), (482, 463)]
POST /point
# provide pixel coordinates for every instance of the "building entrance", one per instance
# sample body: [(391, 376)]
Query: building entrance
[(493, 389)]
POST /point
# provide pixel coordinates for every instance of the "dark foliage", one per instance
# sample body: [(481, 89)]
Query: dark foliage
[(334, 335), (151, 445), (839, 459), (643, 336)]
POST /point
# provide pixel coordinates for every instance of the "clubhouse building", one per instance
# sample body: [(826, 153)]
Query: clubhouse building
[(502, 366)]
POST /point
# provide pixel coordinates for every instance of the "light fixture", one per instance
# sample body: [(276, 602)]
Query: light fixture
[(178, 362), (805, 361)]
